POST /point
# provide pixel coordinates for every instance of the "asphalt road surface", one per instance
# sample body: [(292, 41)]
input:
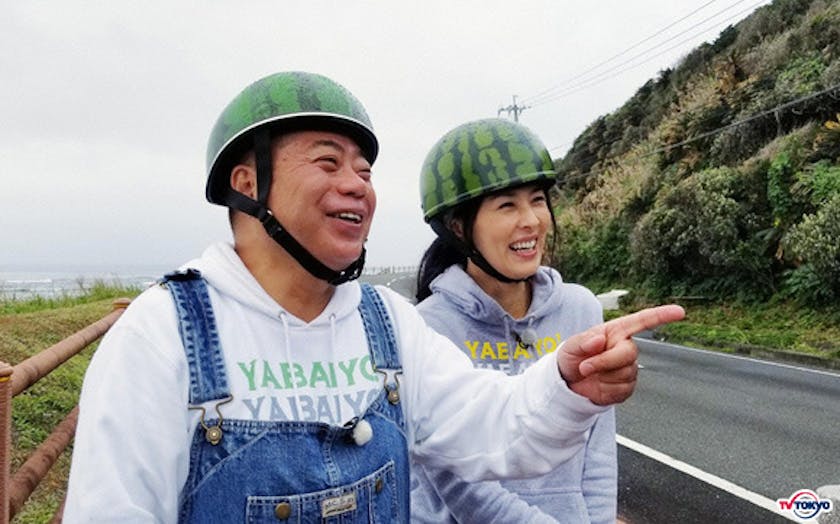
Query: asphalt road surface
[(755, 431)]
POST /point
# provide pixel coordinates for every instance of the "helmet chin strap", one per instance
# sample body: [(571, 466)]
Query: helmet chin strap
[(470, 252), (259, 210)]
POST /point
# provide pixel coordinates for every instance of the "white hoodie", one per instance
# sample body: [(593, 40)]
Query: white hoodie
[(131, 455)]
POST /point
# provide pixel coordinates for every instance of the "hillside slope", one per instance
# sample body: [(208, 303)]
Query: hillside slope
[(720, 177)]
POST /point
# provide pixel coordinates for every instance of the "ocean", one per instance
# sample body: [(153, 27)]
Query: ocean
[(21, 283)]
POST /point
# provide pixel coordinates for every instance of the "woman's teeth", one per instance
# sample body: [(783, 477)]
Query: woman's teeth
[(519, 246)]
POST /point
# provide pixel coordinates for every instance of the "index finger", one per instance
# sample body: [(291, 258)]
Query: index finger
[(635, 323)]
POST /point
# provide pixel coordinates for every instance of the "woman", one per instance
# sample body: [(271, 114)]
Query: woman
[(485, 192)]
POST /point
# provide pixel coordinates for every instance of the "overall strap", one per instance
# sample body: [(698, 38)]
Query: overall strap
[(377, 320), (197, 326), (379, 331)]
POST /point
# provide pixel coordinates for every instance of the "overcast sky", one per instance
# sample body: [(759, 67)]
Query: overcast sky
[(105, 107)]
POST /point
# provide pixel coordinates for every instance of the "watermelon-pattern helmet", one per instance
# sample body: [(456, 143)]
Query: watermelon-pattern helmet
[(478, 158), (286, 101)]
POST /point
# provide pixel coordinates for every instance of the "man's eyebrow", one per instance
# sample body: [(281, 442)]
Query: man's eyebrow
[(327, 143)]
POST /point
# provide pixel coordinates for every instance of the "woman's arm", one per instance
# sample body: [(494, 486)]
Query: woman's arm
[(485, 502), (600, 470)]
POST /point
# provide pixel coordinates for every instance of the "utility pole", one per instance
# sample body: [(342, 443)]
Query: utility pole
[(513, 108)]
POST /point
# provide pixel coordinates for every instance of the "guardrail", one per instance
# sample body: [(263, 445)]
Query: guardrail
[(384, 270), (18, 486)]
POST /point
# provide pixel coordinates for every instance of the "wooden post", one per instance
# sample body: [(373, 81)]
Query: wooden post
[(121, 303), (5, 438), (39, 365), (36, 467), (15, 490)]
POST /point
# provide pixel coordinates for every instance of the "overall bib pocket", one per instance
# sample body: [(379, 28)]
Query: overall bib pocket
[(371, 499)]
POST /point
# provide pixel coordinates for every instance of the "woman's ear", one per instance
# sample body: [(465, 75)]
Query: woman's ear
[(457, 227), (243, 178)]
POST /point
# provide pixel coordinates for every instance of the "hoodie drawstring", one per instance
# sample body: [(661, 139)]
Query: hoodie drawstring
[(287, 342), (332, 332), (510, 332)]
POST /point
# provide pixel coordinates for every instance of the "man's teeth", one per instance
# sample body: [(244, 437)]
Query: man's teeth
[(353, 217), (531, 244)]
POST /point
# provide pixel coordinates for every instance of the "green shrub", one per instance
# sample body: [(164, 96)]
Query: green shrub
[(703, 236), (779, 182), (594, 253), (800, 77), (805, 285), (815, 242), (818, 183)]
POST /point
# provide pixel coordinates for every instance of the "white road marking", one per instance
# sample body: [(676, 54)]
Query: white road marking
[(688, 469), (760, 361)]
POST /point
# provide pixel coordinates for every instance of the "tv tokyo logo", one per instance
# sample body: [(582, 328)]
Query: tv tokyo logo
[(805, 504)]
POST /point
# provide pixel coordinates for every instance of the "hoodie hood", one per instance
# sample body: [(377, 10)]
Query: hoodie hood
[(224, 270), (460, 310), (462, 292)]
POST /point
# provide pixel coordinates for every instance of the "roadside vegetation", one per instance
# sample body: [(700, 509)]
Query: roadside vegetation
[(30, 326), (94, 292), (778, 330)]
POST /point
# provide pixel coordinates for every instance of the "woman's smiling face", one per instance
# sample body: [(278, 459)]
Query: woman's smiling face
[(510, 230)]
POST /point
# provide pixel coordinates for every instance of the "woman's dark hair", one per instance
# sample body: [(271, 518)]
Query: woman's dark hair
[(438, 256), (441, 254)]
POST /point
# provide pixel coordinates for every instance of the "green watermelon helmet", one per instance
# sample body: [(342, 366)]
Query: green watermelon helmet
[(285, 101), (282, 103), (474, 160), (478, 158)]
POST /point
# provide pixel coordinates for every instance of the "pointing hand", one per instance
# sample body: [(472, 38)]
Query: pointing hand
[(600, 363)]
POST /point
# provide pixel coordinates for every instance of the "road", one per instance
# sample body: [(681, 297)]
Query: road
[(760, 429), (709, 437)]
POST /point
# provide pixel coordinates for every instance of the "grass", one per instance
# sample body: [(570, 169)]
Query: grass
[(27, 327), (780, 327), (97, 291)]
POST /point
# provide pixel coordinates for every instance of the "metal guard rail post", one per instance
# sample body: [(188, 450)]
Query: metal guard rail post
[(17, 487)]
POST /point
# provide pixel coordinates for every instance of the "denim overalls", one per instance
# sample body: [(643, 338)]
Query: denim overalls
[(288, 471)]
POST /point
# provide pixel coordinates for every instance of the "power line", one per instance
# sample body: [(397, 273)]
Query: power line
[(601, 76), (610, 59), (744, 121), (552, 93), (564, 144), (707, 134)]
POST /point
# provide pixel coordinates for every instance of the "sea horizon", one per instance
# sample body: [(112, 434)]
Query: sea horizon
[(23, 281)]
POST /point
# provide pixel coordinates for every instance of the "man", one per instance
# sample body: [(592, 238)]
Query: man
[(261, 383)]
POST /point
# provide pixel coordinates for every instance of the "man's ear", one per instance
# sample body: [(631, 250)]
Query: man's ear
[(243, 178)]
